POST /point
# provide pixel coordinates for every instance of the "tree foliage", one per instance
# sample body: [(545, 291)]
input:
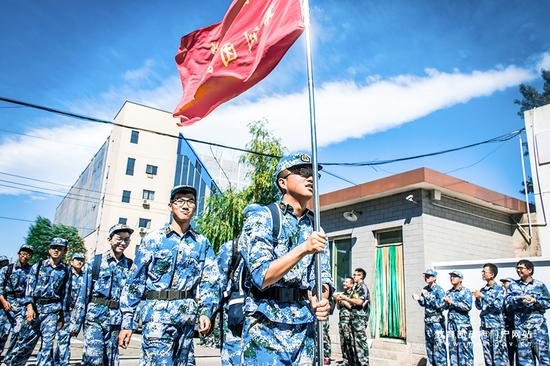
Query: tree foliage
[(531, 96), (222, 218), (42, 232)]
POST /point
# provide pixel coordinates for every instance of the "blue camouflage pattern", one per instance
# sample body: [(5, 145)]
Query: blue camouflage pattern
[(50, 283), (5, 327), (434, 323), (101, 324), (529, 321), (167, 261), (459, 327), (289, 326), (62, 351), (16, 283), (492, 331)]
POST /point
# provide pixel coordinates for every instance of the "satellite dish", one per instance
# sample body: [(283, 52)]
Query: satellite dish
[(352, 215)]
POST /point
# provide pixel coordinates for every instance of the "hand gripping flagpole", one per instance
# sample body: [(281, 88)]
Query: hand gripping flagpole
[(316, 205)]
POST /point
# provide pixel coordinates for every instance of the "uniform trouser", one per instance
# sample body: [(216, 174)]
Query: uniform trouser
[(495, 350), (360, 344), (326, 340), (17, 320), (461, 348), (42, 327), (436, 339), (269, 343), (167, 344), (533, 343), (100, 344), (346, 342), (5, 327), (62, 350), (231, 347)]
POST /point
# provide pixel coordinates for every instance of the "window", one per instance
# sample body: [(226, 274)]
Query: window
[(134, 137), (122, 220), (144, 223), (340, 257), (130, 166), (151, 169), (148, 195), (126, 196)]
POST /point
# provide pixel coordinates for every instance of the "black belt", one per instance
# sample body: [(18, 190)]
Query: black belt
[(46, 301), (281, 294), (111, 304), (169, 295), (17, 295)]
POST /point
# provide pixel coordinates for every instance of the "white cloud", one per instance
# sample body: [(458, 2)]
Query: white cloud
[(545, 62), (140, 74)]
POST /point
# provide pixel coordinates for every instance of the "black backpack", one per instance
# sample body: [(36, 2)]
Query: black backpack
[(238, 273)]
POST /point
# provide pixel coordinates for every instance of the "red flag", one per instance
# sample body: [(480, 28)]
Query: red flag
[(219, 62)]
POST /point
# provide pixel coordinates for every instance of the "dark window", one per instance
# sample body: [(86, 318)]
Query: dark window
[(130, 166), (122, 220), (151, 169), (340, 256), (134, 137), (145, 223), (148, 195), (126, 196)]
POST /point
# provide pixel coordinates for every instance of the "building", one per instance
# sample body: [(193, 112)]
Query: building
[(537, 129), (398, 226), (129, 179)]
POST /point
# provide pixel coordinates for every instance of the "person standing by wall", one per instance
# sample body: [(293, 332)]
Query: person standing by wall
[(344, 323), (459, 328)]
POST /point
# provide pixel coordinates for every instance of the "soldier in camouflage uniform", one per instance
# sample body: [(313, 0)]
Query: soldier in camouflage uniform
[(459, 329), (529, 300), (177, 276), (4, 321), (13, 282), (490, 300), (431, 298), (47, 301), (279, 327), (97, 306), (360, 310), (346, 336), (62, 351), (511, 339)]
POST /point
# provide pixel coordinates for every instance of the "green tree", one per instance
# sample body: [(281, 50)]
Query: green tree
[(222, 218), (531, 96), (42, 232)]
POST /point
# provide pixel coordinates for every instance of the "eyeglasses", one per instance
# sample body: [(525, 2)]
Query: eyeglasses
[(180, 202), (519, 268), (56, 247), (25, 254), (122, 240), (303, 171)]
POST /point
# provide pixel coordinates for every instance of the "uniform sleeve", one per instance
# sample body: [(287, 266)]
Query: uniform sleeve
[(256, 243), (436, 300), (326, 277), (543, 298), (31, 283), (79, 311), (209, 285), (462, 302), (3, 273), (514, 299), (494, 301), (133, 291), (225, 257)]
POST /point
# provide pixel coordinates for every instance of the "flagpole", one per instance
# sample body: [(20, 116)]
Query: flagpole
[(316, 205)]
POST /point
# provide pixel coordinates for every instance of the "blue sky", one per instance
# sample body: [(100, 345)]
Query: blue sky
[(393, 79)]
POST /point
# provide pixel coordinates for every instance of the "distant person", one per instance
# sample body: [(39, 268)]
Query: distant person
[(4, 321), (344, 323), (431, 299), (511, 336), (458, 301), (490, 300)]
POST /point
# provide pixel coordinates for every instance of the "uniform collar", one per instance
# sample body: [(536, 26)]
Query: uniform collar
[(168, 231), (49, 262), (109, 255), (287, 208)]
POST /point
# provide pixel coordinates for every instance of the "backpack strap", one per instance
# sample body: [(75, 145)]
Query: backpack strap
[(275, 213), (96, 265)]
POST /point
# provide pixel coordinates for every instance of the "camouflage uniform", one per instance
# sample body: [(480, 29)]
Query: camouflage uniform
[(277, 332), (167, 261), (231, 347), (346, 336), (62, 351), (14, 292), (434, 323), (492, 332), (529, 321), (4, 321), (511, 340), (101, 321), (359, 322), (459, 328), (327, 347), (49, 292)]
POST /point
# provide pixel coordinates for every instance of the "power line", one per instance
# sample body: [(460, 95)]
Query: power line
[(33, 221)]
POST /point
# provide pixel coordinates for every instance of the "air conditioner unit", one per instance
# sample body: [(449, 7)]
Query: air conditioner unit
[(146, 204)]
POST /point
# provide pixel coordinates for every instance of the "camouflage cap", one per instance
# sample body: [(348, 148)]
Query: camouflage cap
[(3, 258), (456, 274), (507, 279), (289, 161), (182, 189), (78, 256), (119, 227), (430, 272), (26, 248), (59, 242)]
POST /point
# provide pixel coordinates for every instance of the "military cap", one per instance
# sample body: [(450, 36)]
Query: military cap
[(78, 256), (456, 274), (59, 242), (119, 227), (26, 248), (3, 258), (292, 160), (507, 279), (430, 272), (182, 189)]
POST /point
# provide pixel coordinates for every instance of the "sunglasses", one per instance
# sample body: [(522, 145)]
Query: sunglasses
[(56, 247), (303, 171)]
